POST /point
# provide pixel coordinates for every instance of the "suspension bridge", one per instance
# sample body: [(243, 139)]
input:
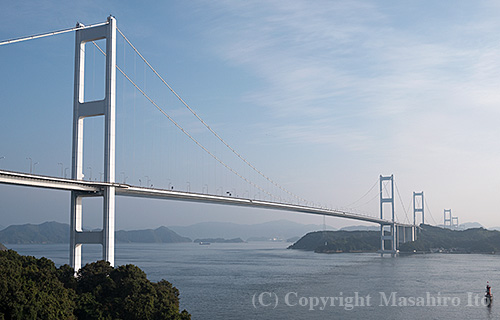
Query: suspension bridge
[(393, 232)]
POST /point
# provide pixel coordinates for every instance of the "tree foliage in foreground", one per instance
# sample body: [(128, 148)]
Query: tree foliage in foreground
[(33, 288)]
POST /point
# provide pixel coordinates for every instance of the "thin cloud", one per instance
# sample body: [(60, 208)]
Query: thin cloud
[(414, 95), (321, 58)]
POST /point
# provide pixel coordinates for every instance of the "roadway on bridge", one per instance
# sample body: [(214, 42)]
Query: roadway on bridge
[(39, 181)]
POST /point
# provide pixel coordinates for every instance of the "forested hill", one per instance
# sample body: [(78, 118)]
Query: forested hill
[(429, 239), (158, 235), (432, 239), (47, 232), (339, 241)]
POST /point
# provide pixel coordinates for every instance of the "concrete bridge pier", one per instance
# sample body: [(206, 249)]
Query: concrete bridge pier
[(388, 240), (405, 233)]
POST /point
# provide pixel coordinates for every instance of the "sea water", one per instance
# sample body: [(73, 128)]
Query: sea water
[(264, 280)]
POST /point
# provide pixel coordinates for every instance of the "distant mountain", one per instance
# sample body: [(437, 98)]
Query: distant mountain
[(55, 232), (1, 227), (258, 239), (158, 235), (361, 228), (47, 232), (280, 229), (470, 225), (265, 239), (466, 225)]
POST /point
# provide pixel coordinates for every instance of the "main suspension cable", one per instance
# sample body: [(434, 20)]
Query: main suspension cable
[(81, 26), (182, 129), (48, 34), (402, 204), (350, 205), (206, 125), (428, 208)]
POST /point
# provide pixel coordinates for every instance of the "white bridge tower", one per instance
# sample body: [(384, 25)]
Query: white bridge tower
[(387, 231), (418, 207), (81, 110), (448, 219)]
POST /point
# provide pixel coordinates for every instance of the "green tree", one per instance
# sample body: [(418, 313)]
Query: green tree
[(30, 289), (125, 293), (33, 288)]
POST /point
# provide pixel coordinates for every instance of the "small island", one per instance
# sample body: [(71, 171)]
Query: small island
[(429, 240), (218, 240), (339, 241)]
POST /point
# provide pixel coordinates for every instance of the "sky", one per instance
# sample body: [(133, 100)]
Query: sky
[(321, 96)]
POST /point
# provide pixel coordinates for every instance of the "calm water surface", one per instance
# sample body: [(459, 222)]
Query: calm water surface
[(254, 280)]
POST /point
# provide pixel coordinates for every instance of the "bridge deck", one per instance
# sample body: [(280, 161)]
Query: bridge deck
[(38, 181)]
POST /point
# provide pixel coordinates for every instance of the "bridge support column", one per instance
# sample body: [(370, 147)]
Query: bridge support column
[(402, 234), (397, 235), (81, 110), (75, 249), (388, 243), (387, 232), (409, 234)]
